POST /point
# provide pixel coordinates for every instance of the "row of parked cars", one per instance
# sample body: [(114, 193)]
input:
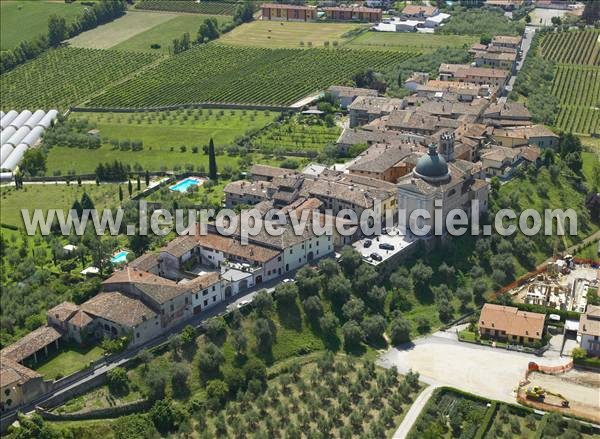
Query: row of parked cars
[(383, 246)]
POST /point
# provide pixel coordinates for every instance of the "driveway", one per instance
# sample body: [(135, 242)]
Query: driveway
[(442, 360)]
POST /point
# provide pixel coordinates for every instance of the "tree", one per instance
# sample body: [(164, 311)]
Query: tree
[(376, 298), (240, 342), (212, 161), (308, 281), (353, 334), (156, 381), (423, 325), (578, 354), (286, 294), (421, 273), (313, 308), (243, 13), (373, 327), (400, 330), (328, 268), (447, 272), (216, 329), (138, 184), (147, 178), (120, 194), (350, 259), (34, 162), (354, 309), (179, 378), (528, 19), (137, 426), (400, 280), (235, 379), (210, 360), (163, 416), (86, 202), (34, 427), (118, 381), (338, 289), (556, 21), (263, 303), (364, 278), (57, 30), (264, 335), (329, 324), (255, 369), (129, 188), (445, 310), (485, 39)]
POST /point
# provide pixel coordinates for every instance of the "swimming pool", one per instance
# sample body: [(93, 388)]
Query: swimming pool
[(185, 184), (120, 257)]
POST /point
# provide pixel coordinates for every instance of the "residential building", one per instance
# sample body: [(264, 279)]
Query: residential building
[(419, 12), (365, 109), (19, 385), (589, 330), (497, 60), (287, 12), (358, 136), (501, 161), (413, 122), (447, 72), (511, 324), (416, 79), (507, 5), (506, 41), (338, 13), (385, 161), (246, 192), (346, 95), (507, 114), (537, 135), (483, 76), (266, 172)]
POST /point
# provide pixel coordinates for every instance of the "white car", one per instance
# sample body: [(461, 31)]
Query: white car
[(287, 281), (243, 303)]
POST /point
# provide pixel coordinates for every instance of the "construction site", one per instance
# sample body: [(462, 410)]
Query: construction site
[(564, 285)]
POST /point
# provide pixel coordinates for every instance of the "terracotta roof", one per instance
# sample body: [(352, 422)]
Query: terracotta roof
[(145, 262), (118, 308), (180, 245), (13, 373), (512, 320), (418, 9), (589, 322), (269, 171), (232, 246), (525, 132), (285, 6), (31, 343), (81, 319), (380, 157), (201, 282), (242, 187), (341, 90), (63, 311), (508, 110), (482, 72), (375, 104), (497, 56), (409, 120), (530, 153), (506, 39), (157, 288)]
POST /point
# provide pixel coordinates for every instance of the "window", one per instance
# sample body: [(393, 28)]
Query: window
[(206, 302), (214, 298), (137, 335), (196, 296), (7, 392), (172, 308), (278, 258), (205, 293), (106, 327), (213, 287), (186, 300)]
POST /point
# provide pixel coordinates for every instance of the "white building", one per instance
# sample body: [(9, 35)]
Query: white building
[(589, 330)]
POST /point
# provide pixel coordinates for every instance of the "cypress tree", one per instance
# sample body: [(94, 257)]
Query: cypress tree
[(120, 194), (212, 161), (147, 178), (86, 201), (129, 187), (139, 185)]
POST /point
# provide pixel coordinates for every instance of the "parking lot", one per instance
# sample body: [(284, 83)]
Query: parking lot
[(441, 359), (373, 254)]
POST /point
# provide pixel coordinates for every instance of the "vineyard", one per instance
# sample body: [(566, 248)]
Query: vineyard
[(573, 47), (203, 7), (226, 74), (64, 77)]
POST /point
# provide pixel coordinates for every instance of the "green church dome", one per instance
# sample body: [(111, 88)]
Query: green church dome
[(432, 165)]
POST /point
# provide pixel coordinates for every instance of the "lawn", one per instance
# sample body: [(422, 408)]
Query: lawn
[(163, 134), (409, 41), (276, 34), (70, 359), (164, 33), (48, 196), (589, 160), (120, 30), (24, 20)]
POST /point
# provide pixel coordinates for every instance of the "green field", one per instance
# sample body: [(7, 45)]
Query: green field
[(24, 20), (120, 30), (219, 73), (276, 34), (410, 41), (51, 196), (64, 77), (164, 33), (160, 132), (68, 360)]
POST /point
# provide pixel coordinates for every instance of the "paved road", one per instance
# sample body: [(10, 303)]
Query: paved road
[(413, 413), (525, 46)]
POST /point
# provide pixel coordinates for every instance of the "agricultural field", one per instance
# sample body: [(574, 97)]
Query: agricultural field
[(163, 135), (409, 41), (280, 34), (296, 134), (164, 33), (51, 196), (573, 47), (202, 7), (64, 77), (24, 20), (120, 30), (225, 74)]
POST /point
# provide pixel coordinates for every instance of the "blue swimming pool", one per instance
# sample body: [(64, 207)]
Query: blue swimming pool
[(120, 257), (184, 185)]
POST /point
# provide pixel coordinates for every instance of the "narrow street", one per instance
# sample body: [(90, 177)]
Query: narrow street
[(525, 46)]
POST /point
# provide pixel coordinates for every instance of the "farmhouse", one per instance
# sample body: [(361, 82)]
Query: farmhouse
[(19, 385), (589, 330), (353, 14), (287, 12), (501, 161), (346, 95), (511, 324)]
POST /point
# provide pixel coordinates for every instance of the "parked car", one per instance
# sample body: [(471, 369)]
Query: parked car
[(287, 281), (386, 246), (243, 303), (376, 257), (367, 243)]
